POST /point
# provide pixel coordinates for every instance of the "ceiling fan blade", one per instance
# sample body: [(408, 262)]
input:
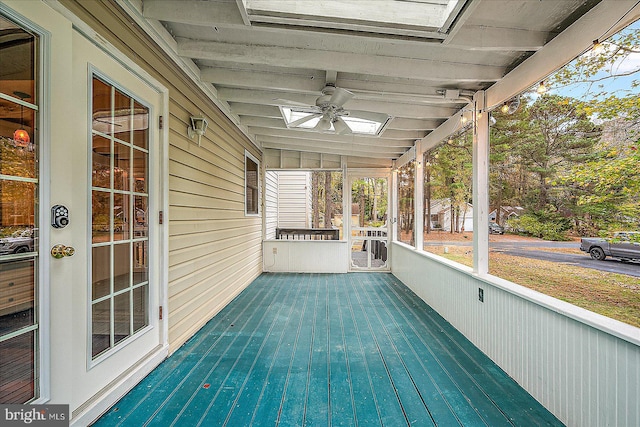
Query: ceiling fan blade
[(340, 96), (369, 115), (304, 120), (341, 127)]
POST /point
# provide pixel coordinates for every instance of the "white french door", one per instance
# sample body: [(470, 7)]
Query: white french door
[(117, 198), (20, 186)]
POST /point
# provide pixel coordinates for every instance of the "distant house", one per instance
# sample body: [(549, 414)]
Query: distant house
[(441, 215), (506, 213)]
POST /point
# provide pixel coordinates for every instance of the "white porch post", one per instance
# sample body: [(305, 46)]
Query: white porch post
[(346, 208), (394, 202), (480, 185), (418, 198)]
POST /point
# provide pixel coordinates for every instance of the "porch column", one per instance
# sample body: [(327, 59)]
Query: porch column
[(480, 185), (393, 209), (418, 197)]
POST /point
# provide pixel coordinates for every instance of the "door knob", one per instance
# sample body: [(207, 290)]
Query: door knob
[(61, 251)]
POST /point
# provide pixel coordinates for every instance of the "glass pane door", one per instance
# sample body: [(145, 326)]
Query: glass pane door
[(120, 200), (19, 178), (369, 238)]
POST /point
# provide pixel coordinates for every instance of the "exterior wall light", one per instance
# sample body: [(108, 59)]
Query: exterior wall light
[(198, 127)]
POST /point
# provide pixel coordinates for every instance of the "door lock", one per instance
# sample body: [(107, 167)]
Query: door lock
[(61, 251), (59, 216)]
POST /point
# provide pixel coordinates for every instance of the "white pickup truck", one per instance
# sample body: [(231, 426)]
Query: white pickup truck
[(624, 245)]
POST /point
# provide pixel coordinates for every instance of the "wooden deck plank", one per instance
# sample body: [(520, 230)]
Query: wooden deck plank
[(327, 349), (150, 396), (341, 399), (388, 405), (364, 398)]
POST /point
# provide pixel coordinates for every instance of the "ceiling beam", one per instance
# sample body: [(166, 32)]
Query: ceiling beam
[(244, 109), (404, 123), (219, 13), (313, 82), (203, 28), (347, 62), (279, 98), (482, 37), (263, 122), (400, 124), (330, 137), (326, 147)]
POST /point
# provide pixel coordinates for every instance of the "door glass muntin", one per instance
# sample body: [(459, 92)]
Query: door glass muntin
[(120, 201)]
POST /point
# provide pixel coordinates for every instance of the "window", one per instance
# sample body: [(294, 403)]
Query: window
[(448, 208), (406, 207), (251, 185), (119, 216), (303, 200)]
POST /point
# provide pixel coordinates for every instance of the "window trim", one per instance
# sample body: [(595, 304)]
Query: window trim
[(248, 155)]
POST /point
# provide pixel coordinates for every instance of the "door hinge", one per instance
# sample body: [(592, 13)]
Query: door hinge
[(160, 218), (161, 122), (160, 313)]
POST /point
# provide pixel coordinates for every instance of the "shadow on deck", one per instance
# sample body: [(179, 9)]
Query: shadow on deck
[(327, 349)]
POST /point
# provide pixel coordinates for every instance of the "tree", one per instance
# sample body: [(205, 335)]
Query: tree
[(561, 135), (605, 186), (315, 200), (328, 204), (406, 210)]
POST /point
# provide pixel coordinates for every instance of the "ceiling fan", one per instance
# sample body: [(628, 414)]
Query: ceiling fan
[(329, 107)]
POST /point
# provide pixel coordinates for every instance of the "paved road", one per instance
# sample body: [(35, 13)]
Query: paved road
[(536, 250)]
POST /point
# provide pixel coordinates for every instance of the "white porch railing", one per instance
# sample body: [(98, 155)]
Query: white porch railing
[(584, 367)]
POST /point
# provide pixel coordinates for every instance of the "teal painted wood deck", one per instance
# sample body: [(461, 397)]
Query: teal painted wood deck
[(323, 350)]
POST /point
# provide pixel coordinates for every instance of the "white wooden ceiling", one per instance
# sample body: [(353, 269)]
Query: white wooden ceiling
[(396, 56)]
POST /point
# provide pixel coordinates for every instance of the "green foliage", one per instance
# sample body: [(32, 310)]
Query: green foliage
[(545, 225)]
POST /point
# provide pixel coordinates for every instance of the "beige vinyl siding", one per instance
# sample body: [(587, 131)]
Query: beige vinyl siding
[(214, 249)]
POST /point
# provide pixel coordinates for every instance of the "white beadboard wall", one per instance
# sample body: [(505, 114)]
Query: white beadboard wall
[(300, 256), (294, 201), (585, 368), (270, 204)]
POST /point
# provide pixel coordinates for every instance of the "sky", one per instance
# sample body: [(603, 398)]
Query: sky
[(620, 85)]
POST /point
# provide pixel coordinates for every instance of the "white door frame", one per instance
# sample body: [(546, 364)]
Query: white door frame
[(42, 369), (351, 175)]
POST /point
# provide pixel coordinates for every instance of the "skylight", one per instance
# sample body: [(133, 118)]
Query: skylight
[(419, 18), (357, 125)]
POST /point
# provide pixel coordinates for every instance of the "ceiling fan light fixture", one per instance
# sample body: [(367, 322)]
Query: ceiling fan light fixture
[(340, 126), (324, 124)]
